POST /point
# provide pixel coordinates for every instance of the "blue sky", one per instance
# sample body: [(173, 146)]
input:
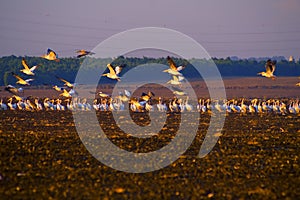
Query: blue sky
[(224, 28)]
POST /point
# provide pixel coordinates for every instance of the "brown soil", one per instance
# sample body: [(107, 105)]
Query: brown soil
[(42, 157)]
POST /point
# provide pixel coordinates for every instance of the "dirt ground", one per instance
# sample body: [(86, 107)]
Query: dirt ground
[(256, 157), (251, 87)]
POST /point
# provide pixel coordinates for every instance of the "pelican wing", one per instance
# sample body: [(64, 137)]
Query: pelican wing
[(63, 80), (24, 63), (51, 52), (111, 69), (33, 68), (18, 77), (172, 63), (175, 78), (29, 80)]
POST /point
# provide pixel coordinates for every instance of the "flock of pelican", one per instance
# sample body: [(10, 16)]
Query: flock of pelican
[(69, 99), (147, 103)]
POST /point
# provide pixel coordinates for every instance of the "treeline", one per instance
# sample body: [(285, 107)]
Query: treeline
[(67, 68)]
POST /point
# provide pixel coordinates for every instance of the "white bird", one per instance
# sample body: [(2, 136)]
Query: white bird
[(113, 73), (51, 55), (103, 95), (55, 87), (175, 81), (178, 91), (13, 90), (173, 70), (27, 70), (65, 94), (83, 52), (270, 68), (22, 81), (67, 83)]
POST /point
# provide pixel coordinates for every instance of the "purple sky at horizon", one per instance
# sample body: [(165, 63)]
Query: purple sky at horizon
[(224, 28)]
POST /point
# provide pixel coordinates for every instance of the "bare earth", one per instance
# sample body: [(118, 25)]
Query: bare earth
[(253, 87)]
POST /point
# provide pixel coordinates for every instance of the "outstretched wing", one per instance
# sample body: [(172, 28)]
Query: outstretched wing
[(171, 63), (18, 77), (63, 80), (111, 69), (24, 63), (175, 78), (268, 66), (33, 68), (51, 54)]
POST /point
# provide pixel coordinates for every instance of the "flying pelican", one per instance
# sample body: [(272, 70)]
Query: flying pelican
[(175, 80), (298, 84), (101, 94), (27, 70), (22, 81), (83, 52), (67, 83), (173, 70), (270, 68), (178, 91), (13, 90), (51, 55), (55, 87), (113, 73), (147, 96), (65, 94)]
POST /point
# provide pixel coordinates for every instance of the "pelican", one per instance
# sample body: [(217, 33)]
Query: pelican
[(270, 68), (175, 81), (161, 107), (173, 70), (83, 52), (298, 84), (55, 87), (103, 95), (147, 96), (27, 70), (67, 83), (3, 106), (136, 106), (188, 106), (65, 94), (51, 55), (178, 91), (22, 81), (124, 97), (13, 90), (113, 73)]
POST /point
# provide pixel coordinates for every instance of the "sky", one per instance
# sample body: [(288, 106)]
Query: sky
[(240, 28)]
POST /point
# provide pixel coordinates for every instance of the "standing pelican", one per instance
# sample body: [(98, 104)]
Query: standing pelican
[(270, 68), (27, 70)]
